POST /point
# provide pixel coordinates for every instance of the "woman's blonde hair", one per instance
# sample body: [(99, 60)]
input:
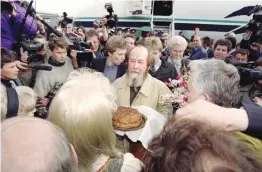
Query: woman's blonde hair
[(83, 108), (27, 100)]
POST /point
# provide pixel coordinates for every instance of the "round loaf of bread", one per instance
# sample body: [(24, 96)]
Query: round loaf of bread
[(127, 118)]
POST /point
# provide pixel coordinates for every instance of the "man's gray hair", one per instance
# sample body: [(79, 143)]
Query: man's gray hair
[(177, 41), (220, 81)]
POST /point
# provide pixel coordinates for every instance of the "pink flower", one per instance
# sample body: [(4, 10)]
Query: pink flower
[(185, 99), (183, 83), (169, 79), (178, 77)]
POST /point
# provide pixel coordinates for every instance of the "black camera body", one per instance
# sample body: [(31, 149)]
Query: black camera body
[(255, 25), (112, 19), (84, 56), (248, 72), (32, 48)]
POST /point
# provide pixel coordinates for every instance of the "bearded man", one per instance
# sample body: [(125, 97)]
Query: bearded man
[(177, 46), (137, 87)]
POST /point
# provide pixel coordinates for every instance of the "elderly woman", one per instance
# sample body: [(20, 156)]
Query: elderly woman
[(83, 108), (177, 46)]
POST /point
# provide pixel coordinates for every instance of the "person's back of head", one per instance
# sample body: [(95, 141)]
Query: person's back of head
[(215, 80), (233, 41), (32, 144), (27, 100), (192, 146), (206, 41), (83, 109)]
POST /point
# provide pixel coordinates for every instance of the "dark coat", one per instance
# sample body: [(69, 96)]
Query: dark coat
[(198, 53), (99, 64), (184, 66), (165, 71)]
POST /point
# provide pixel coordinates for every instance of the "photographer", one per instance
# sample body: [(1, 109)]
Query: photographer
[(248, 40), (96, 47), (61, 67), (28, 78), (11, 22)]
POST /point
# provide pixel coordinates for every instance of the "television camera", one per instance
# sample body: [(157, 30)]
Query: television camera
[(250, 76), (255, 24), (24, 41), (112, 18)]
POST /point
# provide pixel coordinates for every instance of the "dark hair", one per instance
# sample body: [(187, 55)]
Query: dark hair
[(207, 41), (223, 42), (57, 43), (82, 28), (8, 56), (242, 51), (184, 145), (233, 41)]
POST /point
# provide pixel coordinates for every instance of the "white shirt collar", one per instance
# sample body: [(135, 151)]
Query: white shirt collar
[(157, 64)]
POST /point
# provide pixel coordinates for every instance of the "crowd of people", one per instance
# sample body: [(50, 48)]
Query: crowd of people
[(61, 120)]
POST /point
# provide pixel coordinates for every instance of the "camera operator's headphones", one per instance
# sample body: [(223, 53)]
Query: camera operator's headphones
[(12, 102)]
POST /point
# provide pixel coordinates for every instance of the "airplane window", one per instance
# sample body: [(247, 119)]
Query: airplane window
[(163, 8)]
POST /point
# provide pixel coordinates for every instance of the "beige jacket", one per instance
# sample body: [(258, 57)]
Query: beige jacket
[(149, 94)]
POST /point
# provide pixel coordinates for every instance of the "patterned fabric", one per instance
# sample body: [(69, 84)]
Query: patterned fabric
[(107, 164)]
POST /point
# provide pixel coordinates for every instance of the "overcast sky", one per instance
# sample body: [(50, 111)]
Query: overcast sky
[(73, 7)]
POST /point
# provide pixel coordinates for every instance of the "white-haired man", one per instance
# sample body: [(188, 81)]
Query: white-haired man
[(177, 46), (32, 144), (137, 87)]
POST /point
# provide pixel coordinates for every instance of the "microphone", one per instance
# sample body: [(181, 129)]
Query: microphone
[(41, 67)]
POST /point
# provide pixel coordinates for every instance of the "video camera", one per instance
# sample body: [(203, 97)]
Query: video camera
[(248, 72), (255, 24), (112, 19), (32, 48)]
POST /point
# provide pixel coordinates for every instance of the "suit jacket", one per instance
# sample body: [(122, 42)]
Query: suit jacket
[(149, 94), (165, 71), (198, 53), (99, 64)]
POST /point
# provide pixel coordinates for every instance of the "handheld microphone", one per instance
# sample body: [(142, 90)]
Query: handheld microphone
[(41, 67)]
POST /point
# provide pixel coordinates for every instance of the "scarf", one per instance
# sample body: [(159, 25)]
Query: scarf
[(53, 62)]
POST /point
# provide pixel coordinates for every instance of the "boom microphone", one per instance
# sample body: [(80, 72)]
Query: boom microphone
[(41, 67)]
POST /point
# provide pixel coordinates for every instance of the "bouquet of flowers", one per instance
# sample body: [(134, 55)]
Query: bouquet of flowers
[(178, 87)]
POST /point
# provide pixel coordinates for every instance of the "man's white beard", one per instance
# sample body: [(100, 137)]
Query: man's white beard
[(136, 80), (177, 63)]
